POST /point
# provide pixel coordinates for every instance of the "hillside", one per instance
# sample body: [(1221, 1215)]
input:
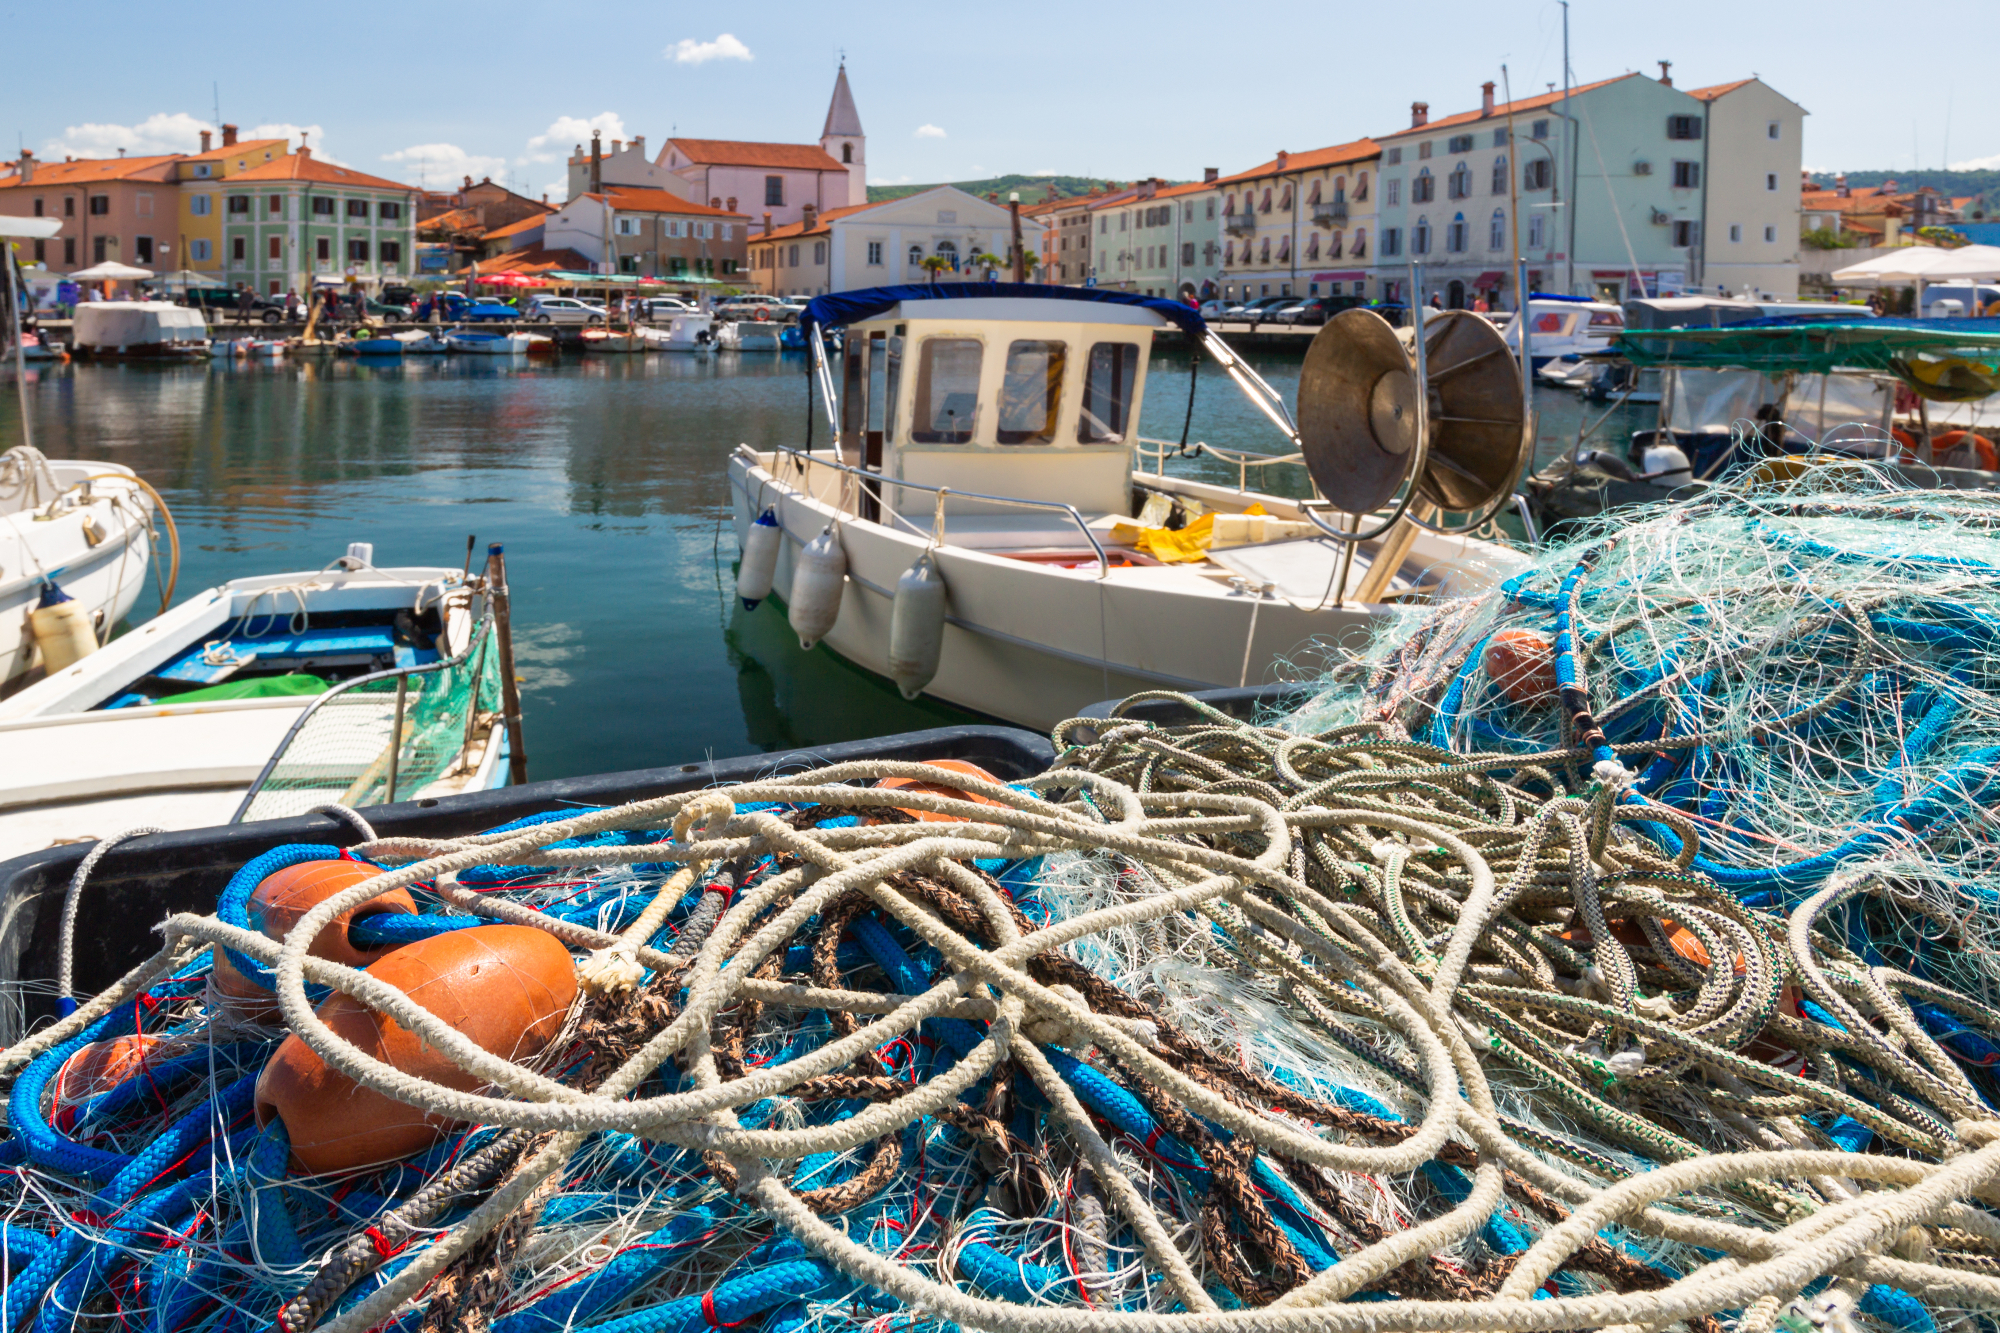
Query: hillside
[(1983, 184), (1033, 188)]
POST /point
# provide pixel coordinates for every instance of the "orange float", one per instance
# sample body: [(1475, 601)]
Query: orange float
[(505, 988), (97, 1069), (1522, 663), (939, 789), (283, 898), (1985, 457)]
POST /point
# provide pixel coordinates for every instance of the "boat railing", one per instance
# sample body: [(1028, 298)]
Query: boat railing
[(1159, 451), (876, 484)]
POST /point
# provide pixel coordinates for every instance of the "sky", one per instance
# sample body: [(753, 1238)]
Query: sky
[(1122, 91)]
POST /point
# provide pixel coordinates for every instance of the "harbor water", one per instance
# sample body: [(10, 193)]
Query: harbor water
[(605, 479)]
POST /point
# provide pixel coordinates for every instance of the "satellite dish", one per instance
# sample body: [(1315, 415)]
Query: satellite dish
[(1358, 417)]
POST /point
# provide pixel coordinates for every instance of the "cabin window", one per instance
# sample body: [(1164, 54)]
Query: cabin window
[(947, 406), (1031, 391), (1108, 384)]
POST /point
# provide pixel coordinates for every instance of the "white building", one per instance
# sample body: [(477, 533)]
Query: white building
[(625, 164), (1749, 240), (876, 245), (779, 179)]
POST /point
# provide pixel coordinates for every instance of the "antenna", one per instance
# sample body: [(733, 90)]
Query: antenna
[(216, 89)]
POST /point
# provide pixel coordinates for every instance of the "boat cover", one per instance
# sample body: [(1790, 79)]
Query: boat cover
[(842, 308), (1945, 360), (137, 324)]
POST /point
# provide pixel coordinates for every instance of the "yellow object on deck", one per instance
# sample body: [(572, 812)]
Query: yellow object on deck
[(1173, 546)]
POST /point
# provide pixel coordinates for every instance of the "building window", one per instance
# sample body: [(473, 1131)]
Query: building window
[(322, 207), (200, 205), (1264, 251), (916, 255), (388, 210), (1312, 245), (199, 251), (239, 249), (1229, 253), (100, 205), (1393, 192), (1424, 187), (1770, 233), (1687, 175), (1424, 151), (1285, 201), (1683, 127), (1359, 249), (1773, 130), (1500, 175), (69, 205), (1284, 249), (728, 229), (357, 252), (1187, 252), (628, 263), (1539, 130), (1536, 175), (628, 226), (673, 228), (1360, 186), (1333, 245), (1683, 234), (1187, 211), (1735, 231), (1211, 208), (819, 252), (1392, 157), (1392, 241), (1537, 231), (239, 205), (323, 249), (874, 252), (1420, 237), (774, 191), (69, 250), (1460, 181), (392, 252), (201, 169), (847, 153), (1500, 137), (1771, 181), (947, 398), (1496, 231), (1459, 143), (1031, 391), (275, 247), (145, 202), (1454, 234), (275, 205), (142, 249), (38, 208), (792, 257), (1109, 380)]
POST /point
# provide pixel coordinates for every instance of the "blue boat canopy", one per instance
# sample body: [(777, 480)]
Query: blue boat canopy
[(838, 309)]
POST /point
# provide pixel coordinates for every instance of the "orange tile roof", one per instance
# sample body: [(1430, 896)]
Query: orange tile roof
[(1360, 150), (735, 153), (641, 200), (515, 228), (794, 230), (535, 259), (1710, 93), (240, 146), (302, 166), (84, 171), (458, 219), (1539, 103)]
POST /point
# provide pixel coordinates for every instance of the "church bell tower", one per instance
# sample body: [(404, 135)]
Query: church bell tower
[(844, 141)]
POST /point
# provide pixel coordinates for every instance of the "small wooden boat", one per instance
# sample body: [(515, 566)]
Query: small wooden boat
[(682, 333), (416, 342), (390, 346), (38, 347), (499, 344), (607, 340)]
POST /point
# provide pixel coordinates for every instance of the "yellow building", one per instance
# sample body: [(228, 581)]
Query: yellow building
[(203, 202)]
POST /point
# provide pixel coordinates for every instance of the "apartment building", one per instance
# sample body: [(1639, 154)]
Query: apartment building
[(296, 220), (1300, 224), (112, 208), (650, 233), (1158, 239), (201, 206)]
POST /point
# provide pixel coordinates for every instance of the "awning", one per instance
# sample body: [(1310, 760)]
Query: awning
[(1492, 277), (31, 228), (1344, 275)]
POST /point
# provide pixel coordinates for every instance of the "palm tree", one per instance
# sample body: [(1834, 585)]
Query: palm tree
[(935, 265)]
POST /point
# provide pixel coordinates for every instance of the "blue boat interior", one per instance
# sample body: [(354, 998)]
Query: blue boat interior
[(268, 656)]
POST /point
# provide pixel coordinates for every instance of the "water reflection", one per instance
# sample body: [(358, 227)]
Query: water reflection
[(604, 476)]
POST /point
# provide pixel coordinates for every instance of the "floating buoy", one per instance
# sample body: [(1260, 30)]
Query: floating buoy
[(818, 580), (61, 628), (285, 896), (96, 1069), (939, 789), (916, 626), (760, 559), (1522, 663), (506, 988)]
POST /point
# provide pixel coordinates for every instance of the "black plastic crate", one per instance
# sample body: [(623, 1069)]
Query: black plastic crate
[(141, 882)]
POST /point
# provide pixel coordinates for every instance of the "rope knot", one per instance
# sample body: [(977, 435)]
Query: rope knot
[(1053, 1028), (710, 810), (1613, 775)]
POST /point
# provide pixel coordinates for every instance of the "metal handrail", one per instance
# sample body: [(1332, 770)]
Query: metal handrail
[(1243, 459), (809, 461), (477, 639)]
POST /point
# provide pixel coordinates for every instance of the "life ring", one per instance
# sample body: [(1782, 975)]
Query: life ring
[(1988, 458), (762, 313)]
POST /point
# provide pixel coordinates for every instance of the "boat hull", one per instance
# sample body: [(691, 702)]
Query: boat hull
[(107, 577)]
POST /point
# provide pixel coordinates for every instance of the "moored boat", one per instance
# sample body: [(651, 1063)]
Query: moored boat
[(498, 344), (611, 340), (139, 331), (692, 332), (387, 346)]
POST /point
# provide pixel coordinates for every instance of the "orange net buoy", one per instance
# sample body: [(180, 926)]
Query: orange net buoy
[(1522, 663), (286, 896), (98, 1068), (506, 988), (939, 789)]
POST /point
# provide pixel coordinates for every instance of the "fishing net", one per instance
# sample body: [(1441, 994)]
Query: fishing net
[(385, 738), (1606, 952)]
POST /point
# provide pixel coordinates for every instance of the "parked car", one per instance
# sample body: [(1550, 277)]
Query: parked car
[(564, 310), (1314, 309), (748, 305), (477, 310), (399, 294), (656, 308), (1212, 310), (1260, 310), (395, 310)]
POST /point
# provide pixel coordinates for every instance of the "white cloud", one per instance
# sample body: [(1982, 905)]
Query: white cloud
[(442, 165), (566, 132), (929, 132), (1979, 164), (315, 135), (1046, 171), (158, 133), (687, 51)]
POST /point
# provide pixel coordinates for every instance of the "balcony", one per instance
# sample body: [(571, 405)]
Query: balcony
[(1330, 215), (1240, 224)]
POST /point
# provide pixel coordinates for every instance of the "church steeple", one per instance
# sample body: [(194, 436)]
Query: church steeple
[(844, 140)]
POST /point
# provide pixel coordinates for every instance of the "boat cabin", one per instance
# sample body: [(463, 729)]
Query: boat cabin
[(997, 395)]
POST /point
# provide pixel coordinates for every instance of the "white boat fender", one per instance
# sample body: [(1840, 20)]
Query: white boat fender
[(1666, 465), (62, 629), (916, 626), (759, 564), (818, 581)]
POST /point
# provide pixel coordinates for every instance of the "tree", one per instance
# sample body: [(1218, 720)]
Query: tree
[(934, 265)]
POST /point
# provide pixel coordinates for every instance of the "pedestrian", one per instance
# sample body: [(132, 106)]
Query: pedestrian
[(246, 301), (1437, 302), (291, 304)]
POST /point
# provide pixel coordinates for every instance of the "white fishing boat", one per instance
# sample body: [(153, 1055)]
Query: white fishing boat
[(748, 335), (987, 528), (692, 332), (416, 342), (76, 547), (614, 340), (1561, 326), (499, 344), (139, 331), (266, 697)]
